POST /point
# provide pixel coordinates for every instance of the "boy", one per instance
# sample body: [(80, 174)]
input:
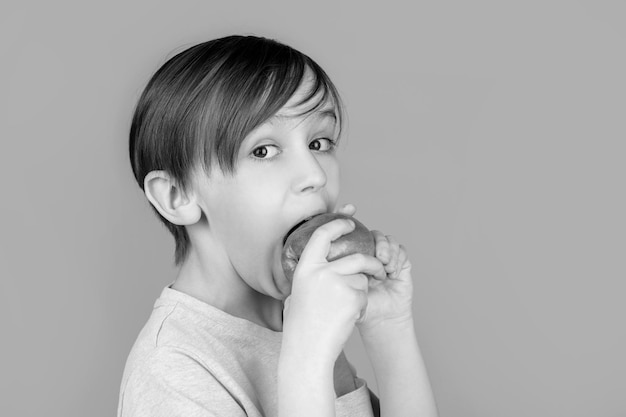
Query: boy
[(234, 142)]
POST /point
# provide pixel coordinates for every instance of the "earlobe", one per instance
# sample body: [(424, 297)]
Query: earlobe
[(170, 200)]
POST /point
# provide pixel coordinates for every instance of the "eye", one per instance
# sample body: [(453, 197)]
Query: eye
[(265, 152), (322, 145)]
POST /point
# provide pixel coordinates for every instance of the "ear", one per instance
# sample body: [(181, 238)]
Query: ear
[(170, 200)]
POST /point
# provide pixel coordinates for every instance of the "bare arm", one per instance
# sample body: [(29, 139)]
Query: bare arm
[(388, 334), (404, 387)]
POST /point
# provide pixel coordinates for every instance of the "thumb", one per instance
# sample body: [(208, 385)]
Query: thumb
[(286, 305)]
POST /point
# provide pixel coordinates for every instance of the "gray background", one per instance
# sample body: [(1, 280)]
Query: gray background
[(489, 137)]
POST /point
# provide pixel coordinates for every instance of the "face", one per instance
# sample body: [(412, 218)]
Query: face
[(286, 171)]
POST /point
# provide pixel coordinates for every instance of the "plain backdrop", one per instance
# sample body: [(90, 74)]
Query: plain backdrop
[(488, 137)]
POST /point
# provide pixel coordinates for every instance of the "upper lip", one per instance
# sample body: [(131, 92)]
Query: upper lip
[(302, 220)]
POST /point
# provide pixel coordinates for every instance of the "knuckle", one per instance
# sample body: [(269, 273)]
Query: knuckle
[(322, 232), (382, 245), (367, 259), (358, 257)]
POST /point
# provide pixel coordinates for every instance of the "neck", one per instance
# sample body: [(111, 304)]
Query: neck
[(217, 284)]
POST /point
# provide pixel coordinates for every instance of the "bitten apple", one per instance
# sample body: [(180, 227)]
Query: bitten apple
[(360, 240)]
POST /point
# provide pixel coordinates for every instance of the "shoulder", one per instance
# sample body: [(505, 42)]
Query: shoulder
[(169, 366), (192, 353), (174, 327), (179, 365), (170, 381), (172, 345)]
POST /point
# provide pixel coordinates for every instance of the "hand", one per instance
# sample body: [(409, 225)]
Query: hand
[(327, 298), (389, 298)]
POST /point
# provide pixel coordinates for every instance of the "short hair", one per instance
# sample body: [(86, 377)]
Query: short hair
[(200, 105)]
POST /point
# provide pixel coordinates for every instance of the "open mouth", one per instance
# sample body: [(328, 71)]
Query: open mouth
[(294, 228)]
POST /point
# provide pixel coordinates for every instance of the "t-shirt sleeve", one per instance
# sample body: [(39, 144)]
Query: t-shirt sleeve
[(356, 403), (171, 383)]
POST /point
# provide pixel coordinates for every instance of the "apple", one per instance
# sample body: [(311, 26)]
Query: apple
[(360, 240)]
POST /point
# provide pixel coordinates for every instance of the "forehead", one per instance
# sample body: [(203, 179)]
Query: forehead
[(303, 105)]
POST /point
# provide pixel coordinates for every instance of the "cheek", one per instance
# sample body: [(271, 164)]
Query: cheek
[(251, 221), (333, 177)]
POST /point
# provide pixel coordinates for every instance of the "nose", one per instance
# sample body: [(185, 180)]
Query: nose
[(310, 174)]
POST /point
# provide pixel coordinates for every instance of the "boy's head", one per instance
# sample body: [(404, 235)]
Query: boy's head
[(200, 105)]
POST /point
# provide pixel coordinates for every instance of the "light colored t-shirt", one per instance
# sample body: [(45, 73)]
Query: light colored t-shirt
[(192, 359)]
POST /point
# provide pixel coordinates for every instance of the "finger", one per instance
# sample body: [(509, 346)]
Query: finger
[(360, 284), (360, 264), (382, 246), (394, 251), (402, 258), (347, 209), (404, 264), (357, 286), (357, 282), (318, 246)]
